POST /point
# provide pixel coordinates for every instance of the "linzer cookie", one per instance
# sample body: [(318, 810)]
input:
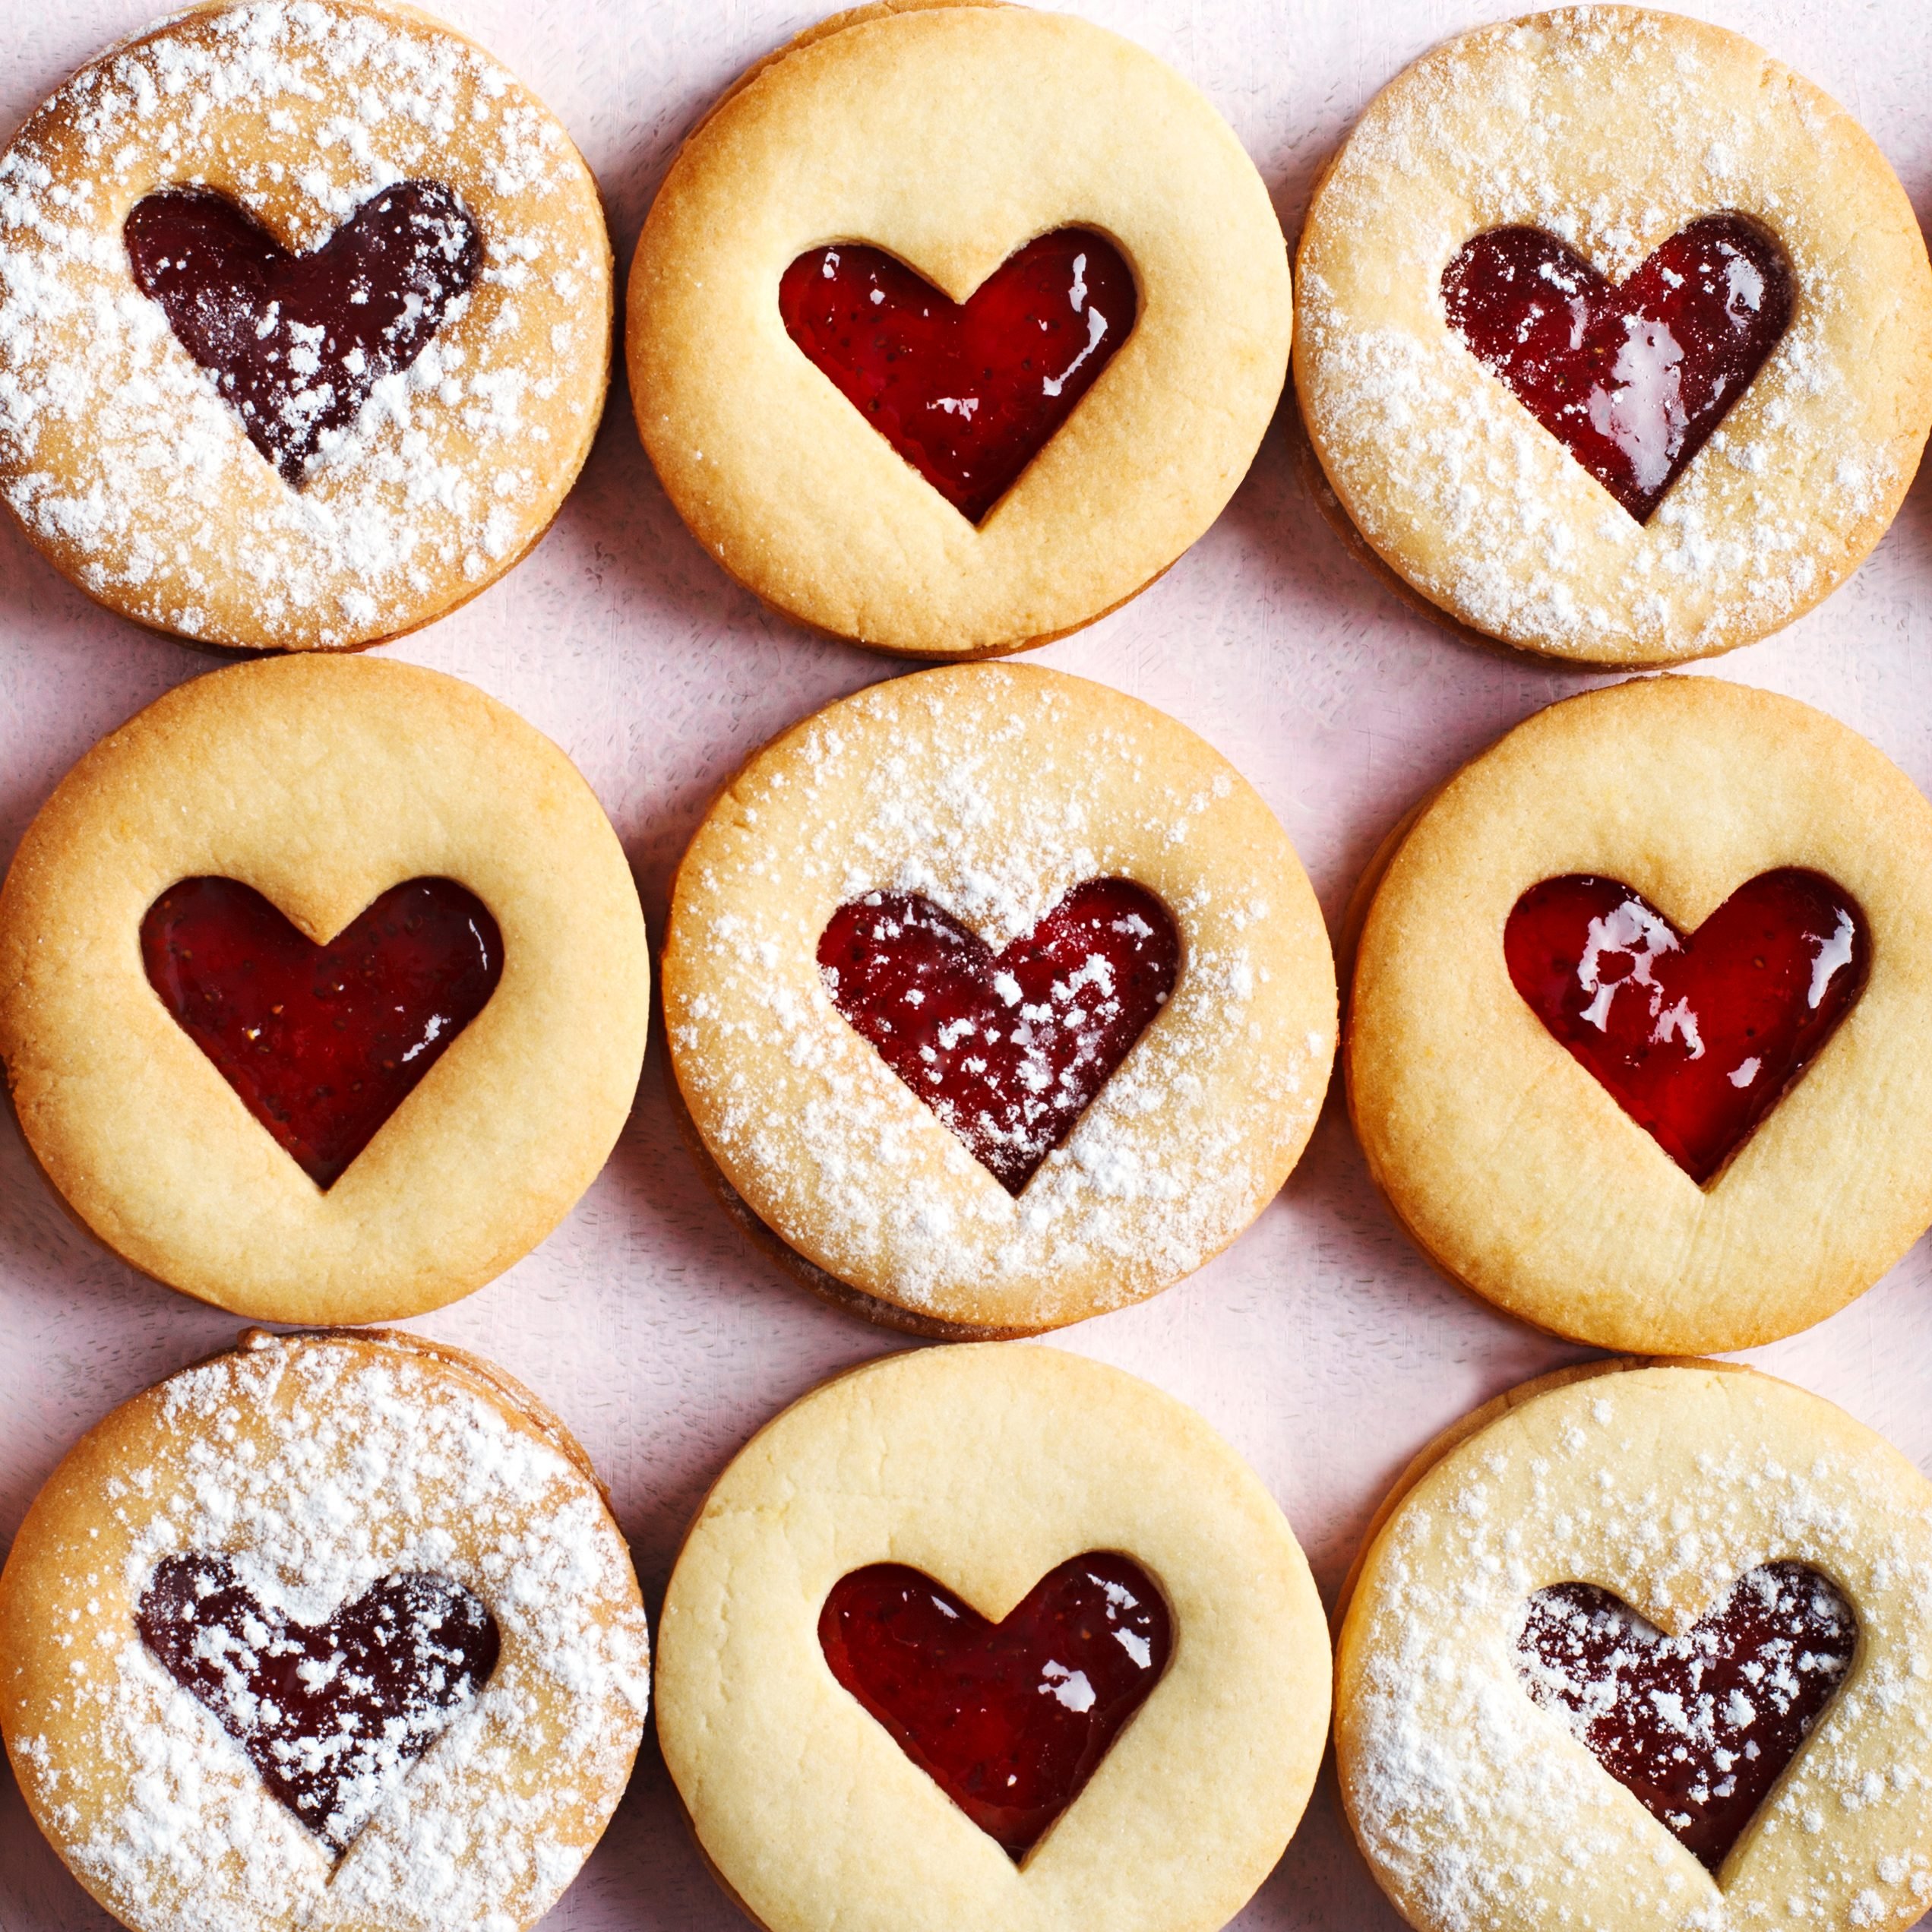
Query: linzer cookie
[(335, 1630), (954, 325), (1647, 318), (305, 324), (980, 1638), (1638, 1034), (1645, 1647), (323, 989), (995, 999)]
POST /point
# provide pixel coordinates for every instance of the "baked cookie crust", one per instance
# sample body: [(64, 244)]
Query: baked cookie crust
[(1611, 127), (321, 783), (123, 463), (1508, 1162), (991, 790), (318, 1464), (985, 1466), (1662, 1483), (1019, 122)]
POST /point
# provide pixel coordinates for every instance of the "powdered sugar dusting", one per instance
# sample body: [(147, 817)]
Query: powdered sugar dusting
[(119, 454), (318, 1471)]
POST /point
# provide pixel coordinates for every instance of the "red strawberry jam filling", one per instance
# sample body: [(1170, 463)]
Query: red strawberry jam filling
[(1631, 378), (1698, 1727), (968, 392), (323, 1043), (1009, 1719), (1696, 1037), (1008, 1048)]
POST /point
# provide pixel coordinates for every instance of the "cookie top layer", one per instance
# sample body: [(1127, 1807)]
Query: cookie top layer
[(1476, 1807), (1612, 128), (990, 791), (1504, 1157), (317, 1466), (321, 783), (985, 1466), (949, 136), (120, 456)]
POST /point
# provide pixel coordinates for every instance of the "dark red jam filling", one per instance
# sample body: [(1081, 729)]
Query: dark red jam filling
[(328, 1713), (1631, 378), (1698, 1726), (1697, 1037), (1008, 1048), (968, 392), (323, 1043), (1009, 1719), (296, 343)]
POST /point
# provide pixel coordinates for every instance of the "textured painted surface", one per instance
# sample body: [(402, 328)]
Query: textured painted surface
[(1321, 1344)]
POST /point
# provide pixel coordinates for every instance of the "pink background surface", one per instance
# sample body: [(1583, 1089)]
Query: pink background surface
[(1321, 1344)]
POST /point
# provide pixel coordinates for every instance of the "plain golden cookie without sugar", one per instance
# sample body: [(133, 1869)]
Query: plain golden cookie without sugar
[(984, 1467), (991, 792), (129, 464), (1611, 128), (321, 783), (1479, 1805), (301, 1475), (948, 137), (1516, 1170)]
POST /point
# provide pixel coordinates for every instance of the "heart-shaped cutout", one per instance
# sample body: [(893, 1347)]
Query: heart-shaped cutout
[(1696, 1039), (968, 392), (331, 1714), (323, 1043), (1009, 1719), (1008, 1048), (1630, 377), (297, 343), (1698, 1726)]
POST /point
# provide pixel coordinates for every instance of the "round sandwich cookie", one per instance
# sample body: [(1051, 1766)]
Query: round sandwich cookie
[(333, 1631), (1639, 1044), (1644, 1646), (996, 999), (1647, 317), (323, 989), (952, 326), (991, 1639), (305, 319)]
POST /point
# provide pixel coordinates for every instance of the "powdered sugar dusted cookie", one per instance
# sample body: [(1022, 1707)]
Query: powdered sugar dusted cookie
[(997, 996), (992, 1639), (953, 326), (1648, 318), (304, 323), (334, 1631), (1647, 1647), (1638, 1025)]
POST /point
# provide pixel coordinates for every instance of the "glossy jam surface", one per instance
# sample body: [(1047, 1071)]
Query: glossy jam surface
[(296, 343), (1631, 378), (1698, 1726), (968, 393), (323, 1043), (1009, 1719), (1696, 1037), (330, 1714), (1008, 1048)]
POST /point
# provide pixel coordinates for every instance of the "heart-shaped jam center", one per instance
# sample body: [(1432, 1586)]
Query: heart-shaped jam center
[(1695, 1038), (1009, 1719), (323, 1043), (331, 1714), (1698, 1726), (1008, 1048), (297, 343), (1631, 378), (968, 392)]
